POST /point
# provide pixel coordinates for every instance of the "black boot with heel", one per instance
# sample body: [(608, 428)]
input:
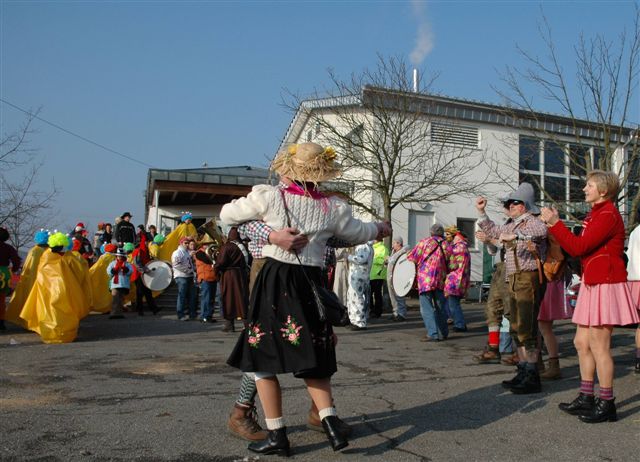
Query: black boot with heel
[(331, 425), (275, 443), (603, 411)]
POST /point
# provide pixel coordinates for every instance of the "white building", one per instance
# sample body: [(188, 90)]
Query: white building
[(527, 147)]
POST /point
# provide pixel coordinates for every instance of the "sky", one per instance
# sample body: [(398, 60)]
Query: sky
[(177, 84)]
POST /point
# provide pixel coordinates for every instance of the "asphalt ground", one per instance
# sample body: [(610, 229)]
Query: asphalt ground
[(155, 389)]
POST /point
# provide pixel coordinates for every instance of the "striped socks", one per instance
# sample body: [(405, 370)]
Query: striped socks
[(586, 387), (606, 394)]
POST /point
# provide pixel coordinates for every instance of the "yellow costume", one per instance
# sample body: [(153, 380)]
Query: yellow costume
[(172, 241), (60, 297), (99, 280), (27, 279)]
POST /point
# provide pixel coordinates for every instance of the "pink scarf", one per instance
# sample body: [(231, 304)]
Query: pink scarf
[(312, 192)]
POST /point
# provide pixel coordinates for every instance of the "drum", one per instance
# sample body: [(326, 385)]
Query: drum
[(158, 275), (404, 276)]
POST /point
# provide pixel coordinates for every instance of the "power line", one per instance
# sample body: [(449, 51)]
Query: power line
[(113, 151)]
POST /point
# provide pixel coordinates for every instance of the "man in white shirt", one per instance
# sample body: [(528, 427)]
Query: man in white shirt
[(183, 274)]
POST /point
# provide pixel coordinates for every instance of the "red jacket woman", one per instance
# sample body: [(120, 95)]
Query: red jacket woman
[(599, 246), (604, 300)]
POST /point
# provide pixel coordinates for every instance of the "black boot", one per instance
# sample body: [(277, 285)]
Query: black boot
[(603, 411), (582, 405), (332, 430), (519, 376), (530, 383), (275, 443)]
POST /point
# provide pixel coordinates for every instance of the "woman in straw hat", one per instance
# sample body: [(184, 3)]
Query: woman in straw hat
[(284, 333)]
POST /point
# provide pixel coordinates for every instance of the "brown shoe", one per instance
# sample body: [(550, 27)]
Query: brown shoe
[(552, 372), (512, 360), (488, 356), (242, 423)]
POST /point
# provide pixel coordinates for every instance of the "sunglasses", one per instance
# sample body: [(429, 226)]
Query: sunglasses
[(510, 203)]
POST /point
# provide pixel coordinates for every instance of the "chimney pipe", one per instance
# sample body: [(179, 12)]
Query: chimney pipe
[(416, 81)]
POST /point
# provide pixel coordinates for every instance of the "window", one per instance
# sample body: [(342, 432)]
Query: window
[(443, 133), (309, 136), (599, 158), (553, 157), (579, 158), (529, 152), (556, 188), (575, 190), (468, 227)]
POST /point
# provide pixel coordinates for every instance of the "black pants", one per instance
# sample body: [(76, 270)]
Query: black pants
[(143, 291), (376, 301)]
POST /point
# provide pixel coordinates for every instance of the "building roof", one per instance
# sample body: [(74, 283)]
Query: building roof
[(458, 109), (194, 185)]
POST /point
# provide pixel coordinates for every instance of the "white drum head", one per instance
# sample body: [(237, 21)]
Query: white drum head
[(404, 275), (159, 275)]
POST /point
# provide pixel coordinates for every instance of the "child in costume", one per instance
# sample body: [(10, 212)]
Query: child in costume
[(8, 256), (120, 271), (61, 295), (100, 279), (27, 278), (154, 247)]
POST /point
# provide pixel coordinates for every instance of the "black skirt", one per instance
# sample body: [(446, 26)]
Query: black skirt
[(284, 333)]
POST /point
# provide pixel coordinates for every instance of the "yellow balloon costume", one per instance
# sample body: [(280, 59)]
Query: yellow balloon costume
[(59, 299), (27, 279), (172, 240), (99, 280)]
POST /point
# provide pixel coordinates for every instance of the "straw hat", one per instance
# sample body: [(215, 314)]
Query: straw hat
[(308, 162)]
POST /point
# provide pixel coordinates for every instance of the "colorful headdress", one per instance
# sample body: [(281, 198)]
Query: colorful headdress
[(159, 239), (186, 216), (110, 248), (128, 247), (42, 237), (58, 239), (308, 162)]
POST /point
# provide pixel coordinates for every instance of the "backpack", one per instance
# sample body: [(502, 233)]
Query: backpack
[(555, 261)]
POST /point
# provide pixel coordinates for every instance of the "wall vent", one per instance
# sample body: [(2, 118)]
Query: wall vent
[(458, 135)]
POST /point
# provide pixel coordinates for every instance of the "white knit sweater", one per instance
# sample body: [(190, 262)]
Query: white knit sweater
[(633, 252), (308, 215)]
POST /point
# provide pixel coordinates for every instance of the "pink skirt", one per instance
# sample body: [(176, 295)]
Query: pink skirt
[(605, 305), (554, 305)]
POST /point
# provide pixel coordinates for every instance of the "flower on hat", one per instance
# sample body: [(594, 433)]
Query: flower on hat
[(293, 149), (329, 153)]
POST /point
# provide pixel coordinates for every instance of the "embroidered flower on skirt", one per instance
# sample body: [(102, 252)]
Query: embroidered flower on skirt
[(291, 331), (254, 335)]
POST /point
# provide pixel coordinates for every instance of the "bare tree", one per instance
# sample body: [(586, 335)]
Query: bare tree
[(383, 129), (24, 207), (598, 104)]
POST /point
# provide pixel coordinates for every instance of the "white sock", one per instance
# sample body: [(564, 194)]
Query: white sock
[(274, 424), (327, 411)]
